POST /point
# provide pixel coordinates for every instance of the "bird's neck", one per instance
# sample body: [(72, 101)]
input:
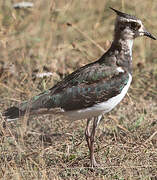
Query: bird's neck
[(120, 53), (122, 44), (123, 50)]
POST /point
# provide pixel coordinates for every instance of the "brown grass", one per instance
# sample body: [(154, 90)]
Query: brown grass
[(39, 40)]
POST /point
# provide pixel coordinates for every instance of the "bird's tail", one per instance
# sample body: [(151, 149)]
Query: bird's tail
[(29, 107), (40, 104), (13, 113), (26, 107)]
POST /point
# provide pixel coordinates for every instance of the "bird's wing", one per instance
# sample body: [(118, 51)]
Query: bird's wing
[(83, 88)]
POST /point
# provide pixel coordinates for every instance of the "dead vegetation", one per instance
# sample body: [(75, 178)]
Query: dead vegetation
[(58, 37)]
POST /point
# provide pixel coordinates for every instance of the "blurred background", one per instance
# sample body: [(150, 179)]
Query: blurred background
[(39, 46)]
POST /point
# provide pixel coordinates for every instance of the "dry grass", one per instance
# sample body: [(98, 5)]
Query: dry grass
[(39, 40)]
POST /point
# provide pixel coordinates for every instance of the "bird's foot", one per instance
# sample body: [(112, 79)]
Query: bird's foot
[(94, 163)]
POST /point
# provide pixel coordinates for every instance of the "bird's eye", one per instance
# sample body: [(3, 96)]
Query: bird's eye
[(135, 25)]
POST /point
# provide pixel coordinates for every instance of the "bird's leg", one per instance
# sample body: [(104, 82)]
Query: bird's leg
[(90, 135), (87, 132)]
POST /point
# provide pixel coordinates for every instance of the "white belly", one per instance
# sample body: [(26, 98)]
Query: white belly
[(100, 108)]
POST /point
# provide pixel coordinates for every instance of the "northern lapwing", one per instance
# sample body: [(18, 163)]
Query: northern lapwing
[(93, 89)]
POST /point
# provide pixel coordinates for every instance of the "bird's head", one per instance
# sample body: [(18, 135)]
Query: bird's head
[(130, 27)]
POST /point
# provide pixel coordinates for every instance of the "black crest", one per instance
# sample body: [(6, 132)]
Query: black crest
[(122, 14)]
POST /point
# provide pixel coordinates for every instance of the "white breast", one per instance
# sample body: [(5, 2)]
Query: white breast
[(100, 108)]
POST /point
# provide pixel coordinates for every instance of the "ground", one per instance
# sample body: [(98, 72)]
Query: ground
[(58, 37)]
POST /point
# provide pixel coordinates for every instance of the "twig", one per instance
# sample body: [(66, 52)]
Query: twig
[(151, 137), (85, 35)]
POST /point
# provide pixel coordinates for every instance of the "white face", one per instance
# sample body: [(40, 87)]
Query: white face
[(131, 28), (141, 29)]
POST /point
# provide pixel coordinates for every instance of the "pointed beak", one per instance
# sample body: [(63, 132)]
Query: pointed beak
[(148, 34)]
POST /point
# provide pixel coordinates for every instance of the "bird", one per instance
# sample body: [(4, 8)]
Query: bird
[(94, 89)]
